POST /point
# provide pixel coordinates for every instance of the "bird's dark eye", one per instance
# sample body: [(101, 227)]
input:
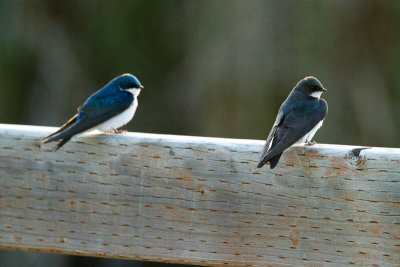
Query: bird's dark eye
[(132, 85)]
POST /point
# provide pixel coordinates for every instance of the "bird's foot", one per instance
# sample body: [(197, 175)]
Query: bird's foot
[(310, 143), (112, 131), (115, 131)]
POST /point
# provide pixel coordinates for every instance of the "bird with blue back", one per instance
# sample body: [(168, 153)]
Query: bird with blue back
[(106, 110), (298, 119)]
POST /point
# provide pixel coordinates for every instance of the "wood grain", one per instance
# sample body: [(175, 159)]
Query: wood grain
[(198, 200)]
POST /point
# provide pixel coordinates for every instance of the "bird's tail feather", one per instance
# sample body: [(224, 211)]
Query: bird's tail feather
[(59, 145), (261, 163), (54, 136), (274, 161)]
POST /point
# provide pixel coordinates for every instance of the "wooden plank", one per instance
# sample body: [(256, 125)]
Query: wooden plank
[(198, 200)]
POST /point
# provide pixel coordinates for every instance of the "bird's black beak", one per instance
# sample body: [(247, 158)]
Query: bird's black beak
[(141, 86), (324, 89)]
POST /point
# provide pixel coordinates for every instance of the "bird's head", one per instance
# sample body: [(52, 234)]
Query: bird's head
[(311, 86), (129, 83)]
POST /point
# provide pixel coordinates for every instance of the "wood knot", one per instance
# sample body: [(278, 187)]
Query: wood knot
[(202, 190), (356, 159)]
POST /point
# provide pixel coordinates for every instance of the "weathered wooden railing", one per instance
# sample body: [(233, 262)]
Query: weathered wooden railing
[(198, 200)]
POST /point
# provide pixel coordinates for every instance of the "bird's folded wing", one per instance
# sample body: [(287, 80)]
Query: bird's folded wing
[(92, 113), (271, 135), (292, 128)]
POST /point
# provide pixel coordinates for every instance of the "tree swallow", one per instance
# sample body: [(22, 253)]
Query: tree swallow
[(298, 119), (107, 109)]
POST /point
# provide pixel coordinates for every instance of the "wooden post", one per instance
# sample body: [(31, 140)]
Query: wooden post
[(198, 200)]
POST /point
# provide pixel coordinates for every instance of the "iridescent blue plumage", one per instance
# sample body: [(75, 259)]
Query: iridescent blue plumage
[(107, 109)]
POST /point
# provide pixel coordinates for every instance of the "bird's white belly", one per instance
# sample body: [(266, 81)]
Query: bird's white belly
[(119, 120), (308, 137)]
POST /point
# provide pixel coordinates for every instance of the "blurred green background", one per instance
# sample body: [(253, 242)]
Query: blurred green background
[(210, 68)]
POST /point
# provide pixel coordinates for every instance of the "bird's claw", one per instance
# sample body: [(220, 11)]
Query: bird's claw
[(115, 131), (310, 143)]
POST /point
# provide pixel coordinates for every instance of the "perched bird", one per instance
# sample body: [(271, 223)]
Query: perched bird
[(107, 109), (298, 119)]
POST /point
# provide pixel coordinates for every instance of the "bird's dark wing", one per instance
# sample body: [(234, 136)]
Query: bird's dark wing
[(94, 111), (271, 134), (293, 127)]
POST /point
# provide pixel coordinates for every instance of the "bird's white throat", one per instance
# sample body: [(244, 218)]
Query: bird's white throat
[(134, 91), (316, 94)]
